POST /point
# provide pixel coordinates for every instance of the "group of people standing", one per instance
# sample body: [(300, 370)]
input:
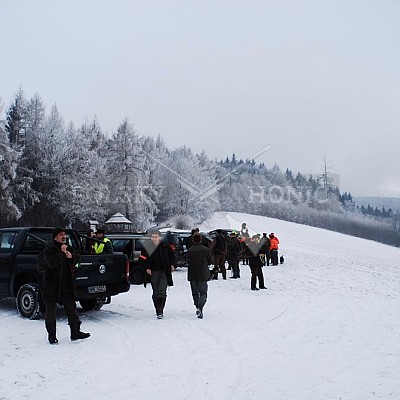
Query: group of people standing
[(255, 251)]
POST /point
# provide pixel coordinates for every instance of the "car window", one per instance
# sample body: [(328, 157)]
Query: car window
[(139, 244), (7, 241), (36, 240)]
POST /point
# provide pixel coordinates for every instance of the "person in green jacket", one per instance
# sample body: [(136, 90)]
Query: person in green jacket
[(103, 247)]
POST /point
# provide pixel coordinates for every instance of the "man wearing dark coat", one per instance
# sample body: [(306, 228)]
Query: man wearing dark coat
[(219, 251), (199, 258), (159, 261), (256, 264), (59, 262), (234, 253)]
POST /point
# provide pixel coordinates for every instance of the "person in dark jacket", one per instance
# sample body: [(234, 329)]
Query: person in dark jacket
[(256, 263), (265, 245), (159, 261), (189, 240), (199, 258), (234, 253), (59, 262), (219, 251)]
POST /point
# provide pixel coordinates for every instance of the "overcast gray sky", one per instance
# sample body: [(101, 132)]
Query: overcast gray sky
[(313, 78)]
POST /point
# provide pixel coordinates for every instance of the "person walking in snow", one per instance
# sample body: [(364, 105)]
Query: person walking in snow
[(59, 262), (159, 261), (198, 273)]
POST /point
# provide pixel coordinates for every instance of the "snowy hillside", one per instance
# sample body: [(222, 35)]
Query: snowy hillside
[(328, 327)]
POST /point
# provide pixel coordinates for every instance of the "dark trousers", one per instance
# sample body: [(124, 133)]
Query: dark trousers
[(159, 284), (219, 261), (274, 257), (68, 301), (256, 272), (234, 263), (246, 256), (199, 293)]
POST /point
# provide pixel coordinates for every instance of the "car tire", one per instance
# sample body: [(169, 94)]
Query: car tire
[(28, 301), (92, 304), (136, 276)]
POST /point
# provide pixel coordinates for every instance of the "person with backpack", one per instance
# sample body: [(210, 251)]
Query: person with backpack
[(59, 260)]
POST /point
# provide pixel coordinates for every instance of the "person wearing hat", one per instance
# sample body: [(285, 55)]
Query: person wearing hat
[(103, 245), (57, 285)]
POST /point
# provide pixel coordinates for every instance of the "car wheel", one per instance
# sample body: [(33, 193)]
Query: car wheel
[(136, 276), (93, 304), (28, 303)]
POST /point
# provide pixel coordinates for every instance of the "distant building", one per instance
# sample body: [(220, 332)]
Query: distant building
[(118, 223)]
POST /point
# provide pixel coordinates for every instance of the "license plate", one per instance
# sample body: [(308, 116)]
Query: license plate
[(97, 289)]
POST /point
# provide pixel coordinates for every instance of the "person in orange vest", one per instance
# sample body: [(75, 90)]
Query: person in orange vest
[(273, 248)]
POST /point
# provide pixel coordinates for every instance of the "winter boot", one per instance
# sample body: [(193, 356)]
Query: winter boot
[(51, 330), (161, 305), (76, 333), (53, 339), (157, 307)]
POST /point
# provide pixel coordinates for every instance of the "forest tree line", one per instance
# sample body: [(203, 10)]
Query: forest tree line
[(53, 173)]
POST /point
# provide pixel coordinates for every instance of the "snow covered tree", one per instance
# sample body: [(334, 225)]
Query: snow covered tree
[(8, 165), (84, 190), (189, 185), (50, 172), (16, 120), (30, 159), (127, 177)]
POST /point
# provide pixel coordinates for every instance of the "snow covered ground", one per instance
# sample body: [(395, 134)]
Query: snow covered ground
[(328, 327)]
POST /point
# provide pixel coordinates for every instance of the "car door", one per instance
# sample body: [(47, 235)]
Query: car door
[(7, 243)]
